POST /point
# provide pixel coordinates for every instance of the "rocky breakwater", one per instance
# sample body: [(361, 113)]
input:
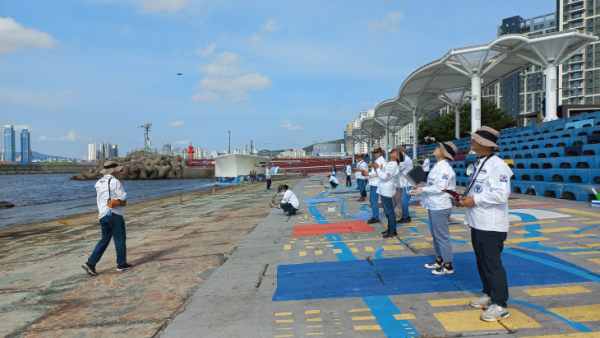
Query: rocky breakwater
[(140, 167)]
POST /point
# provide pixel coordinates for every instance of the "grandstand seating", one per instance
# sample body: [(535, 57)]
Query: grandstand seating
[(568, 151)]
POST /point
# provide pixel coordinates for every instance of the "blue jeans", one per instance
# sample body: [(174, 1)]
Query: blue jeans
[(374, 199), (388, 208), (112, 226), (405, 202), (361, 186)]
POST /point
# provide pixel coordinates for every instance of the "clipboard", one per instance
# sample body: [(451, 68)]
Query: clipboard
[(416, 176)]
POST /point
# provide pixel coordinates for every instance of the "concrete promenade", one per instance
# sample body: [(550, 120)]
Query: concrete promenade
[(326, 273)]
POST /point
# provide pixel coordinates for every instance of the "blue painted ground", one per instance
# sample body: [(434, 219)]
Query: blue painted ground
[(320, 200), (406, 275)]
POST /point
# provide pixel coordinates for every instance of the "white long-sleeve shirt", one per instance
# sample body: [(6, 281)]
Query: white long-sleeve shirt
[(116, 193), (334, 180), (359, 174), (405, 167), (387, 176), (441, 177), (491, 191), (426, 164), (268, 174), (290, 197), (348, 170), (373, 177)]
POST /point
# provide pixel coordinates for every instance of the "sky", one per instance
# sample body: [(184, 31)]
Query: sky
[(279, 73)]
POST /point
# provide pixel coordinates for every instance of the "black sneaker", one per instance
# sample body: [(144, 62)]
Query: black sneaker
[(388, 235), (384, 232), (434, 265), (373, 220), (405, 220), (443, 270), (127, 266), (90, 269)]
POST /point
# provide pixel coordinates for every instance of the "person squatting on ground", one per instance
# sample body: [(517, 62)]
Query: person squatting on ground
[(348, 168), (333, 181), (439, 204), (289, 203), (268, 177), (402, 195), (361, 181), (373, 183), (487, 215), (109, 188), (426, 165), (388, 179)]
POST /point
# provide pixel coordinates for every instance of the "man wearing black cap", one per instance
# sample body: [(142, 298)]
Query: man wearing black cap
[(109, 188), (373, 183), (487, 215)]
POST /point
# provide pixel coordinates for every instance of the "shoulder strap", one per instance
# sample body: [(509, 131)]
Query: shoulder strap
[(474, 178), (109, 188)]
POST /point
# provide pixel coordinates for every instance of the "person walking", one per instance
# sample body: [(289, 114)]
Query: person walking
[(426, 166), (373, 183), (268, 177), (348, 175), (402, 195), (387, 175), (109, 188), (333, 170), (289, 203), (361, 181), (333, 181), (487, 215), (439, 205)]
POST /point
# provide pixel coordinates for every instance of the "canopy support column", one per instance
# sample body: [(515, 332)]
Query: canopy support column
[(415, 133), (475, 102), (551, 90), (387, 141), (369, 146), (457, 122)]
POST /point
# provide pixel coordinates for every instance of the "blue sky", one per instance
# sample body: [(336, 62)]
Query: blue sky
[(281, 73)]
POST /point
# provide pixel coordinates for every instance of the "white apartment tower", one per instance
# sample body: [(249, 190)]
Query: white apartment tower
[(92, 152)]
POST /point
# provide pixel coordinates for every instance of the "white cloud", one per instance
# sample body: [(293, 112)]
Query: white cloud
[(245, 82), (206, 96), (13, 37), (389, 23), (183, 142), (207, 51), (71, 137), (148, 6), (256, 38), (176, 124), (289, 126), (223, 65), (271, 26)]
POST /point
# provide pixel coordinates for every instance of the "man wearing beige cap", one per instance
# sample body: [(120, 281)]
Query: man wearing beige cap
[(109, 188), (487, 215)]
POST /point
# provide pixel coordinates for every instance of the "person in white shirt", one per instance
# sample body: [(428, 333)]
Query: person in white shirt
[(268, 177), (373, 183), (487, 215), (109, 188), (333, 170), (361, 167), (348, 175), (439, 204), (333, 181), (402, 195), (386, 188), (289, 203), (426, 166)]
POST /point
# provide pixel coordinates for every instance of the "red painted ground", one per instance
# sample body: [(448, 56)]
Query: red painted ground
[(331, 228)]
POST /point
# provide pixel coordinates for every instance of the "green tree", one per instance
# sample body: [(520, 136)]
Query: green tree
[(442, 128)]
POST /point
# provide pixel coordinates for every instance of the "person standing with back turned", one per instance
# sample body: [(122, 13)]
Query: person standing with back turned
[(487, 215), (348, 175), (426, 166), (268, 177), (109, 188), (361, 181)]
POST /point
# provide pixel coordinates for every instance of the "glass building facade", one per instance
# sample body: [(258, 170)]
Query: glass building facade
[(26, 155), (9, 143)]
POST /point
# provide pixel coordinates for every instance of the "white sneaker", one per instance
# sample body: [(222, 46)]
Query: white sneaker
[(494, 313), (482, 302)]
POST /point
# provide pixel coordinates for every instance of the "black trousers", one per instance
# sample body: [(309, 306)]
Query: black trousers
[(333, 185), (287, 207), (269, 184), (488, 246), (348, 181)]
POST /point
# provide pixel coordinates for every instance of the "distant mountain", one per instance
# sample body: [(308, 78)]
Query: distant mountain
[(40, 156)]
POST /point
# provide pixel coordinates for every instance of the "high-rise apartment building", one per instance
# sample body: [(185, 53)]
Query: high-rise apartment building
[(108, 150), (92, 152), (115, 151), (9, 143), (26, 155), (101, 153), (579, 82)]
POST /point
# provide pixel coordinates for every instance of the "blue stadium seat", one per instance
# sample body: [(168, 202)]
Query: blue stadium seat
[(549, 152), (590, 149)]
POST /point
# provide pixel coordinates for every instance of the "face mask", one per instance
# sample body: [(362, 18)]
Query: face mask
[(283, 192)]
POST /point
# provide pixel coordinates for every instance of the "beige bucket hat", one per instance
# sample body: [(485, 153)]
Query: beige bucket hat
[(111, 167), (448, 149), (486, 136)]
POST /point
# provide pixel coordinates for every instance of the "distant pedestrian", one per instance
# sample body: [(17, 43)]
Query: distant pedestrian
[(487, 215), (373, 183), (348, 175), (426, 166), (289, 203), (333, 170), (333, 181), (268, 177), (387, 187), (361, 181), (439, 204), (109, 188), (402, 195)]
